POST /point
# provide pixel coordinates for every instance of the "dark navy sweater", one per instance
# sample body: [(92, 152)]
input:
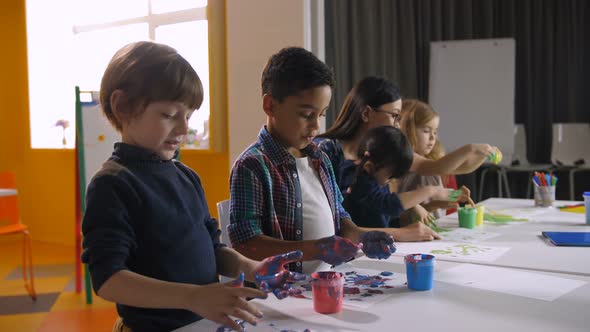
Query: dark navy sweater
[(368, 203), (149, 216)]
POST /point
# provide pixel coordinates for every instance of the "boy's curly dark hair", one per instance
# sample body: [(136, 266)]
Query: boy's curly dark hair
[(292, 70)]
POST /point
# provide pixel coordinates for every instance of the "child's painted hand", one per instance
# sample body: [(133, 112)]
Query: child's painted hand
[(272, 276), (376, 244), (439, 193), (496, 156), (445, 205), (483, 149), (335, 250), (217, 302), (419, 214), (465, 196)]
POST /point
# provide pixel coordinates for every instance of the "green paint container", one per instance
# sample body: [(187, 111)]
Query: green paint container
[(467, 217)]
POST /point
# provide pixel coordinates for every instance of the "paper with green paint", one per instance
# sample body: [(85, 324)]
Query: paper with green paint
[(456, 251)]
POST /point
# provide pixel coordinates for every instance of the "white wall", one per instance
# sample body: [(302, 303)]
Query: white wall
[(256, 29)]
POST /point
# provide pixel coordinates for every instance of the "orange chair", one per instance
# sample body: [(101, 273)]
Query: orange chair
[(10, 224)]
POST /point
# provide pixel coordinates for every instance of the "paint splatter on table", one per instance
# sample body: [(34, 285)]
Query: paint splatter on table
[(362, 287), (266, 327)]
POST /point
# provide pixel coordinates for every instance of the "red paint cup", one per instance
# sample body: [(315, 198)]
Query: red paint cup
[(328, 291)]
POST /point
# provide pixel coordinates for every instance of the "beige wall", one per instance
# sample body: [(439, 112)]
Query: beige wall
[(256, 29)]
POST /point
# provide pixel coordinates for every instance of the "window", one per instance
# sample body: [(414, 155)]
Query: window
[(70, 42)]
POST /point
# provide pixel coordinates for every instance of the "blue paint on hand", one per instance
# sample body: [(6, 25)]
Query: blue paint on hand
[(272, 276), (376, 244), (239, 281), (335, 250)]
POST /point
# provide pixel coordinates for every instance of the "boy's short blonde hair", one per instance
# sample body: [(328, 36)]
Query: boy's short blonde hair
[(149, 72)]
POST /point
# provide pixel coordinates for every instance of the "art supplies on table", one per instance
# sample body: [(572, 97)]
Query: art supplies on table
[(328, 291), (574, 208), (362, 287), (569, 239), (467, 217), (466, 235), (587, 206), (419, 271), (544, 189), (452, 251)]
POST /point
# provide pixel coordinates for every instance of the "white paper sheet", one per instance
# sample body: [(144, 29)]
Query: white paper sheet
[(509, 281), (467, 235), (468, 252), (368, 295), (522, 213)]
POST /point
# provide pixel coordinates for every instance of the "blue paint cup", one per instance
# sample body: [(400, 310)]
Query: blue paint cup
[(587, 206), (419, 271)]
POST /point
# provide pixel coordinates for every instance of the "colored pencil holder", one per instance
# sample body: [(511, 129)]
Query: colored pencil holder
[(328, 292), (544, 196), (481, 210), (587, 206), (467, 217), (420, 271)]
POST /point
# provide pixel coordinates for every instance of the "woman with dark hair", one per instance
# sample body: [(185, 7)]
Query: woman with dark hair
[(375, 102)]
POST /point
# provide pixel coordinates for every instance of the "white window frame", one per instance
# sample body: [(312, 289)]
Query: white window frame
[(153, 21)]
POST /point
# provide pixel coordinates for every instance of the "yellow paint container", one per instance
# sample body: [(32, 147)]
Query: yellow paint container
[(479, 217)]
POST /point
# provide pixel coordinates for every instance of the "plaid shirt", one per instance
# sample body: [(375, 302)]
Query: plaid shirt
[(266, 195)]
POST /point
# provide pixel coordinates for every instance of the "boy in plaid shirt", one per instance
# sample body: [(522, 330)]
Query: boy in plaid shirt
[(284, 195)]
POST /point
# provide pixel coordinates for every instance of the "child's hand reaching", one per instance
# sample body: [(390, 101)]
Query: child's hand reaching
[(335, 250), (420, 214), (376, 244), (483, 149), (272, 276), (417, 232), (452, 197), (223, 301), (442, 194), (445, 205), (465, 196)]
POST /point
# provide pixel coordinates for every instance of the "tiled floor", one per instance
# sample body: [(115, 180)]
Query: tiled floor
[(58, 308)]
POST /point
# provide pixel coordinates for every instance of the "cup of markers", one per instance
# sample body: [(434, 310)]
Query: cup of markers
[(544, 189), (587, 206)]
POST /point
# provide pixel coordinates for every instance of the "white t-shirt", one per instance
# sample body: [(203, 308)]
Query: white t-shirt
[(317, 215)]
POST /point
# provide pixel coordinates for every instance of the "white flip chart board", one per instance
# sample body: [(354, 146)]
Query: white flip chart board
[(472, 88)]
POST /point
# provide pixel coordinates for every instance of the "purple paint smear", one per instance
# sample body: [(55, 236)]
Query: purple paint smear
[(276, 329), (358, 286)]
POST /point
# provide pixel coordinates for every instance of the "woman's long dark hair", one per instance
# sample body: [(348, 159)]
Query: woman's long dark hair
[(370, 91)]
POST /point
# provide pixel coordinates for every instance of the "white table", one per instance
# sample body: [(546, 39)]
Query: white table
[(529, 250), (447, 307), (7, 192), (451, 307)]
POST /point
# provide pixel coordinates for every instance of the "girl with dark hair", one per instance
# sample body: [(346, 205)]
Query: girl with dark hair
[(384, 154)]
